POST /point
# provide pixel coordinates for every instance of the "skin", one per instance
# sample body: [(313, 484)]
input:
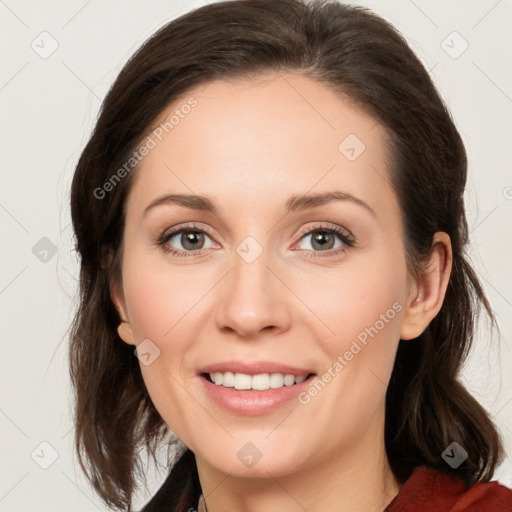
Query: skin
[(250, 146)]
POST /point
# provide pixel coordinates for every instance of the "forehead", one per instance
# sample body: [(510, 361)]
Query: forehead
[(263, 140)]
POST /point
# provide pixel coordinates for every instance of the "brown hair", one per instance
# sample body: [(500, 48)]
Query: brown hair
[(362, 57)]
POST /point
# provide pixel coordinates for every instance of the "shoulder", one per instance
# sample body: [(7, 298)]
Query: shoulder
[(429, 490), (485, 497)]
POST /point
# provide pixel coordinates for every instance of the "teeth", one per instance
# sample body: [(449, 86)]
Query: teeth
[(276, 380), (260, 382)]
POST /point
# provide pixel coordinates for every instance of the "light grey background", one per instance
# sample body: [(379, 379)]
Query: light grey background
[(49, 106)]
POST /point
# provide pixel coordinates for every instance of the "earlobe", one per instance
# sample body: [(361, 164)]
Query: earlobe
[(412, 324), (125, 332), (124, 329), (428, 295)]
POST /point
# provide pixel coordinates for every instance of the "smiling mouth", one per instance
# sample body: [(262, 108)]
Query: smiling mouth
[(260, 382)]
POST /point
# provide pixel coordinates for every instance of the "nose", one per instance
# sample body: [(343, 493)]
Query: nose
[(252, 299)]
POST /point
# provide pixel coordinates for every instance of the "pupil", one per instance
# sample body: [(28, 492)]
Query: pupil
[(191, 238), (319, 237)]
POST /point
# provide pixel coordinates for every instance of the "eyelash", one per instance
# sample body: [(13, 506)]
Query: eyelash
[(348, 241)]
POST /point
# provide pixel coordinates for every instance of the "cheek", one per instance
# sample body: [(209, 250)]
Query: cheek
[(363, 310), (158, 300), (160, 305), (362, 307), (364, 293)]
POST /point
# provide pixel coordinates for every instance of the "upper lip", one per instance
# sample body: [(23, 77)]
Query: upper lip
[(254, 368)]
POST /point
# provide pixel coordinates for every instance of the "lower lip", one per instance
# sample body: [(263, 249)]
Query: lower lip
[(251, 402)]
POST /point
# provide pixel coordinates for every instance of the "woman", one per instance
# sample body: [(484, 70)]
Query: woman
[(270, 216)]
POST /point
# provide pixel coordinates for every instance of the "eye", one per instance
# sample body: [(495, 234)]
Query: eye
[(323, 240), (189, 239)]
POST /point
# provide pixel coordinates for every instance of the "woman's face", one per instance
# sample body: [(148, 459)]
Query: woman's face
[(260, 284)]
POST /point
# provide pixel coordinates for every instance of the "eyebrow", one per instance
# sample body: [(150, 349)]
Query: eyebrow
[(295, 203)]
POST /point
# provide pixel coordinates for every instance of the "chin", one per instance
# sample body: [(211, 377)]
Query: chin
[(252, 456)]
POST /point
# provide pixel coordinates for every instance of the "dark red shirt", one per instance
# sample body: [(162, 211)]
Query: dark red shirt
[(428, 490)]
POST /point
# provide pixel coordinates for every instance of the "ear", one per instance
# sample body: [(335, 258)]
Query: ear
[(124, 329), (427, 295)]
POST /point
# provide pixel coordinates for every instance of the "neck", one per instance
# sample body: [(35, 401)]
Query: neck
[(355, 479)]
